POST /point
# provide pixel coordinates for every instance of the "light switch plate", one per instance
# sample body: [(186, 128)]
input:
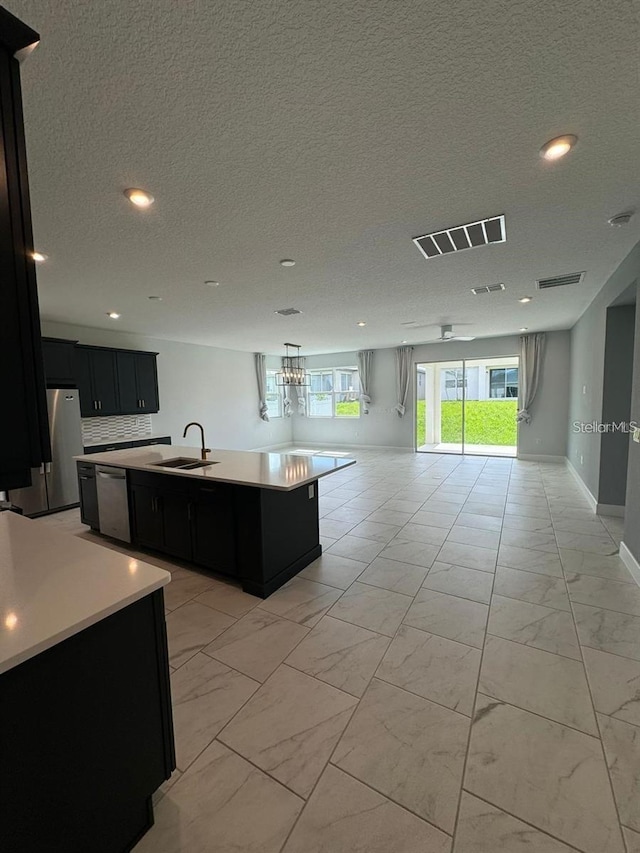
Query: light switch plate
[(636, 434)]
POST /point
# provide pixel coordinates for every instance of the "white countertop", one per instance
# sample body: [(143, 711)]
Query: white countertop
[(281, 471), (53, 585), (123, 438)]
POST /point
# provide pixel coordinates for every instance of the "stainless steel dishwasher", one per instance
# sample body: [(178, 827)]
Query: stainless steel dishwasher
[(113, 502)]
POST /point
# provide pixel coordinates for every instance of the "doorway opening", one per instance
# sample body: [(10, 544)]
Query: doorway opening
[(468, 406)]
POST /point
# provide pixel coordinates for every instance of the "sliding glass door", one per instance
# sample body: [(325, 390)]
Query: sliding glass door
[(467, 406)]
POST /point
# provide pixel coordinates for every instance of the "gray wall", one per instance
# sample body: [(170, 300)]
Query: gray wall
[(545, 436), (588, 338), (616, 403), (214, 386)]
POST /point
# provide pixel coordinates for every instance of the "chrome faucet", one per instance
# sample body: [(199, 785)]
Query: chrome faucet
[(204, 450)]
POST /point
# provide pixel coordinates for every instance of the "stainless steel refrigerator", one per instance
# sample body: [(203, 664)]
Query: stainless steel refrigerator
[(55, 484)]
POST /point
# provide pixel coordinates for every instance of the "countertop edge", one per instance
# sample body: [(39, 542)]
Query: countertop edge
[(26, 654), (153, 469)]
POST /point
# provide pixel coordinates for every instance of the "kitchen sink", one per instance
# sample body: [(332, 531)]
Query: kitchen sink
[(184, 463)]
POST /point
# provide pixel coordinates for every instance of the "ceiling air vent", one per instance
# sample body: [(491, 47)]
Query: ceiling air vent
[(461, 237), (487, 288), (288, 312), (560, 280)]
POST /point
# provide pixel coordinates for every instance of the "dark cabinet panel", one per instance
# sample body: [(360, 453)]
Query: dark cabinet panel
[(24, 436), (137, 382), (176, 524), (127, 386), (82, 371), (88, 495), (146, 514), (147, 381), (96, 375), (213, 529), (104, 378), (59, 362)]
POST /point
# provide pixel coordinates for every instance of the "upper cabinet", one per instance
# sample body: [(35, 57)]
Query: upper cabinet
[(59, 362), (137, 382), (116, 382), (24, 430)]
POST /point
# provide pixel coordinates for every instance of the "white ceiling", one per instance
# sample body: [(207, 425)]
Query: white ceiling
[(331, 133)]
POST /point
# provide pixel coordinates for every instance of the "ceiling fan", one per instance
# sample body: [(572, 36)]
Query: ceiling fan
[(446, 334)]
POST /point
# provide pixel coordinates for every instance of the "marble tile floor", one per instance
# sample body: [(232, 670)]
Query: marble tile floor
[(458, 673)]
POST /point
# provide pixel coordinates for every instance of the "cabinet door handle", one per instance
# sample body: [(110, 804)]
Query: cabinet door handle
[(95, 404), (83, 477), (144, 405)]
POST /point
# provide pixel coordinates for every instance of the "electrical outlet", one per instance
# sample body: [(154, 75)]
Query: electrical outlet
[(584, 389), (581, 459)]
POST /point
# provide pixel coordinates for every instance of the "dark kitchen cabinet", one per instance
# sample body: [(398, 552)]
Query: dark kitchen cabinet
[(184, 518), (88, 492), (59, 362), (213, 529), (97, 378), (146, 515), (137, 382), (176, 510), (24, 434)]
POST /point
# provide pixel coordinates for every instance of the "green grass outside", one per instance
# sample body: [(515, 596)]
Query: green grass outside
[(486, 422), (350, 408)]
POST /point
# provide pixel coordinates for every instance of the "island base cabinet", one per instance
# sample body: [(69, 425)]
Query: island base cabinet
[(278, 535), (263, 537), (86, 737)]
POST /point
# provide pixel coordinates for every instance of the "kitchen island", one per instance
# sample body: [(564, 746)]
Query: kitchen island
[(249, 515), (86, 733)]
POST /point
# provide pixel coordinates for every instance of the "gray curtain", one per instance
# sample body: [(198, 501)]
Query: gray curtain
[(261, 376), (302, 394), (531, 356), (403, 377), (365, 366)]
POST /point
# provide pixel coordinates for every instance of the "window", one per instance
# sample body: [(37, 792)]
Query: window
[(273, 395), (503, 383), (334, 393)]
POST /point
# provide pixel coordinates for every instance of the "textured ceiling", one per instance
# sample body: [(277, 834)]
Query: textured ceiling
[(330, 132)]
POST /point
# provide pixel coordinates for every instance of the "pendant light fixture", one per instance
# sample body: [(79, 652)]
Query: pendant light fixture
[(292, 372)]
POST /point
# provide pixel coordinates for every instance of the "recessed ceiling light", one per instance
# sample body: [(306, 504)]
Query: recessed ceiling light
[(113, 314), (361, 323), (404, 342), (287, 262), (211, 283), (525, 299), (155, 298), (558, 147), (524, 329), (38, 257), (141, 198), (621, 219)]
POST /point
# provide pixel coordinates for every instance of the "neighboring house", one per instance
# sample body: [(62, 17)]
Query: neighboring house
[(493, 379)]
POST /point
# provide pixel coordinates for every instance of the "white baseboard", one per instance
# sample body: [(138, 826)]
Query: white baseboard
[(345, 445), (537, 457), (611, 510), (583, 486), (630, 562), (270, 447)]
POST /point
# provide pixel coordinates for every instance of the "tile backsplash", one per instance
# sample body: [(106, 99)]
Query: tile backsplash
[(98, 430)]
